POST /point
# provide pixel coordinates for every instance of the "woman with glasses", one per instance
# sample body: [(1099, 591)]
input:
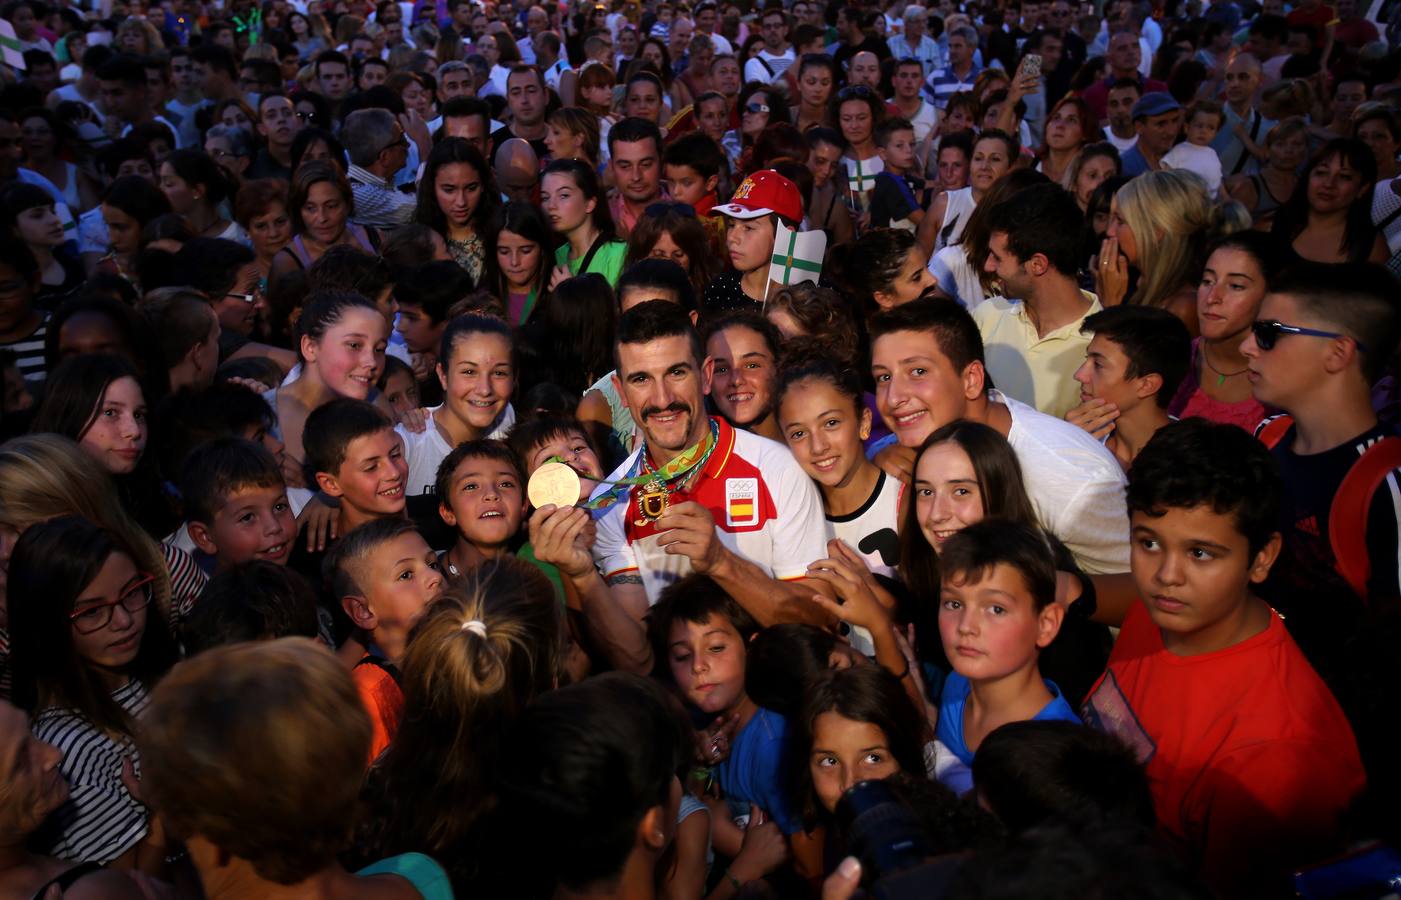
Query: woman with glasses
[(457, 196), (817, 76), (232, 148), (197, 187), (858, 111), (758, 105), (1229, 295), (1328, 218), (87, 648)]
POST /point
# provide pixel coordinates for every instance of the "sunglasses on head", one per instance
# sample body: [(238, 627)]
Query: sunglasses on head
[(1267, 332)]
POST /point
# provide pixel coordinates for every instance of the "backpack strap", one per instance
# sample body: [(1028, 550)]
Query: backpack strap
[(1347, 517), (1256, 120), (1273, 430)]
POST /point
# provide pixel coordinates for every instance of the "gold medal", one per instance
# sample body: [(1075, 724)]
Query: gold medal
[(553, 484), (652, 501)]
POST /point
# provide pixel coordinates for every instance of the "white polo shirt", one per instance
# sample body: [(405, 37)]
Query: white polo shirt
[(765, 507), (426, 450)]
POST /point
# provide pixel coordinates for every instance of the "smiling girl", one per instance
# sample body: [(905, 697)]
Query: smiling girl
[(457, 196), (476, 368), (86, 649), (575, 207)]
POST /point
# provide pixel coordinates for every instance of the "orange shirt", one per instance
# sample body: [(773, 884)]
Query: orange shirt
[(383, 699)]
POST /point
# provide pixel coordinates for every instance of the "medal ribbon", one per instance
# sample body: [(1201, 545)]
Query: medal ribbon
[(682, 465)]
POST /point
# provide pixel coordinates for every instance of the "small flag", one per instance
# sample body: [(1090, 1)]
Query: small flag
[(797, 255), (13, 55)]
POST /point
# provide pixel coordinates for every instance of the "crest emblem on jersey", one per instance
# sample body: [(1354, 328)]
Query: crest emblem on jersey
[(741, 501)]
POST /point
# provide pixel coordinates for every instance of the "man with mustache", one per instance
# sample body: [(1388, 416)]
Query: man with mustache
[(737, 506)]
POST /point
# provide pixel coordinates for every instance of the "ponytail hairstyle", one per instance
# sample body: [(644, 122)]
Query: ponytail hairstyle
[(195, 167), (53, 563), (486, 648), (867, 694), (874, 261), (1173, 221), (586, 180), (323, 310)]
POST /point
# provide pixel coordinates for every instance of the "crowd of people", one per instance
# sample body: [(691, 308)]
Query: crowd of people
[(429, 469)]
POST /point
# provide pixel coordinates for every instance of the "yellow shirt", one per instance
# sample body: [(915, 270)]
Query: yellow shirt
[(1039, 371)]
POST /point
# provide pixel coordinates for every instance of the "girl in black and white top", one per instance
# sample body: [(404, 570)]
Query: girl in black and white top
[(88, 644)]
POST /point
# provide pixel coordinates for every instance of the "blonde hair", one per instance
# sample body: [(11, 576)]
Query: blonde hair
[(148, 31), (43, 476), (261, 51), (1172, 219), (580, 122), (258, 747)]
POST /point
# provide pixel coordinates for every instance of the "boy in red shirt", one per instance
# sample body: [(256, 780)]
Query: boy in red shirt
[(1250, 759)]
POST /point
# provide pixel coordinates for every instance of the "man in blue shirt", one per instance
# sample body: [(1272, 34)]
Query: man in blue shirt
[(1157, 117)]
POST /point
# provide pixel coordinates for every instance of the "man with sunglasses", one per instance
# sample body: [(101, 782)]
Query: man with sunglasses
[(774, 58), (378, 149), (1322, 338)]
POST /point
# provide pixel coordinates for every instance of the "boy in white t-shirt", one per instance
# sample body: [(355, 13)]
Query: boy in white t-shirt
[(1204, 119)]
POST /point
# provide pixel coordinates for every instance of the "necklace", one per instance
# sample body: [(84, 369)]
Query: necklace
[(1220, 375)]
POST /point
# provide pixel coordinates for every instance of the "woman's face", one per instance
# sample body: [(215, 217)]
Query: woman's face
[(948, 497), (644, 101), (854, 117), (39, 226), (486, 46), (123, 231), (1334, 185), (518, 258), (180, 193), (115, 645), (306, 112), (1229, 295), (1289, 152), (959, 118), (458, 189), (234, 117), (324, 213), (418, 100), (824, 430), (702, 55), (953, 169), (117, 435), (37, 137), (755, 114), (1120, 231), (990, 162), (652, 53), (299, 25), (401, 391), (990, 116), (815, 87), (667, 248), (844, 752), (222, 152), (270, 231), (913, 279), (566, 207), (132, 40), (1380, 141), (627, 43), (1093, 173), (349, 356), (824, 160), (479, 378), (1065, 130), (563, 143)]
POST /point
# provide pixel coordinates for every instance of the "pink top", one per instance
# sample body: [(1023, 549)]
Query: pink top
[(1191, 400)]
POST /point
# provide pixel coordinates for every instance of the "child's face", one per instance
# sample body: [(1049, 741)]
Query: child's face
[(948, 497), (485, 502), (117, 436), (899, 151), (350, 354), (1193, 569), (913, 279), (665, 247), (400, 578), (990, 627), (953, 169), (707, 662), (1104, 375), (371, 478), (574, 451), (116, 643), (401, 391), (750, 242), (742, 387), (685, 184), (254, 523), (478, 380), (824, 431), (1201, 131), (600, 96), (420, 333), (844, 752)]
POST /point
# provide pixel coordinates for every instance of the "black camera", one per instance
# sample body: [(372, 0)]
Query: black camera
[(887, 836)]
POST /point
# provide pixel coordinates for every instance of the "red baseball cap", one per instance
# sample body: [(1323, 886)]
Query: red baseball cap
[(761, 194)]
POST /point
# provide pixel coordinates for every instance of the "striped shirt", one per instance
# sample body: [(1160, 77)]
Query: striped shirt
[(944, 83), (99, 821), (29, 351), (376, 203)]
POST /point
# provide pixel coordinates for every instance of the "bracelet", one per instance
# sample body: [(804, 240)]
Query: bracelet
[(901, 675), (734, 882)]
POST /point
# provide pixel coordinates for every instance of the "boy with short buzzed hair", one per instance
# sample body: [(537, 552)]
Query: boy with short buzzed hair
[(895, 201), (236, 505), (481, 496), (354, 454), (1250, 760)]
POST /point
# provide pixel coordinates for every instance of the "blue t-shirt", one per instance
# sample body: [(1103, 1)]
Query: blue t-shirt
[(756, 770), (1133, 163), (423, 872), (949, 731)]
